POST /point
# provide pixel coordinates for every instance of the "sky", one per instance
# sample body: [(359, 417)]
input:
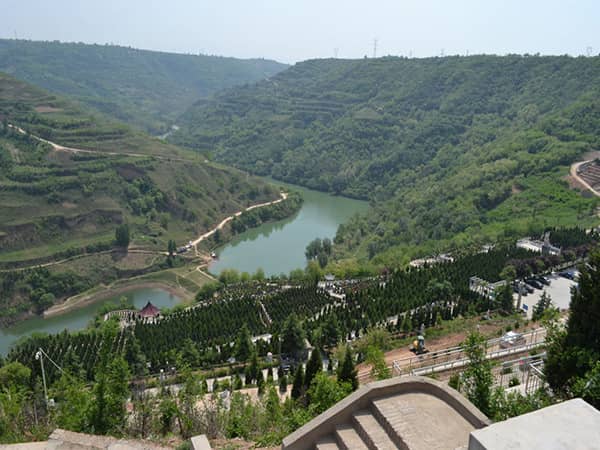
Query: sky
[(296, 30)]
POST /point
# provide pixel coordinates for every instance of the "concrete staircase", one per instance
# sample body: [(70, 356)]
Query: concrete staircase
[(368, 430), (412, 413)]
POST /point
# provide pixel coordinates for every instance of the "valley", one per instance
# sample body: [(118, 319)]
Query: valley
[(452, 151), (302, 231)]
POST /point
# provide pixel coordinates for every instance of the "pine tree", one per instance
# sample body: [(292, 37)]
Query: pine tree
[(243, 345), (572, 354), (298, 384), (347, 372), (313, 366), (478, 378)]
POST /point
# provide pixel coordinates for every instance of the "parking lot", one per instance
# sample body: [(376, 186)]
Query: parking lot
[(559, 291)]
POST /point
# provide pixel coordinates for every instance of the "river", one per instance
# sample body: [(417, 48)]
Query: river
[(80, 318), (278, 247)]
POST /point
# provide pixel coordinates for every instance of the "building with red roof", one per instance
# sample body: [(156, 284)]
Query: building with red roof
[(149, 311)]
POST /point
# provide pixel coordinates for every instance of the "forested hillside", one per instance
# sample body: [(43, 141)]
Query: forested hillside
[(451, 150), (57, 203), (144, 88)]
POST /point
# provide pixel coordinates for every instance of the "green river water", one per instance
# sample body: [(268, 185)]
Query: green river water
[(278, 247), (275, 247), (79, 319)]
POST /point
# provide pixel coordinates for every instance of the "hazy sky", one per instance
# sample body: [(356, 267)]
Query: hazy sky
[(294, 30)]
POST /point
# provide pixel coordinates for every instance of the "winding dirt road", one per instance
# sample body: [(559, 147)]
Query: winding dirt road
[(62, 148), (206, 235), (58, 147)]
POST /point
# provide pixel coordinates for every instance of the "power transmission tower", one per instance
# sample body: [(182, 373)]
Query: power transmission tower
[(335, 52), (375, 48), (588, 50), (442, 53)]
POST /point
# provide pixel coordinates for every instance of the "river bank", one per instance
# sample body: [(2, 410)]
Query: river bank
[(100, 293)]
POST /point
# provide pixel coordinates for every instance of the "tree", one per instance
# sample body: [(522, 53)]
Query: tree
[(379, 369), (327, 246), (14, 374), (122, 235), (347, 373), (282, 379), (110, 393), (588, 386), (574, 352), (171, 247), (73, 401), (298, 384), (505, 297), (313, 366), (477, 379), (292, 337), (259, 275), (322, 259), (325, 392), (243, 344), (313, 249), (544, 303)]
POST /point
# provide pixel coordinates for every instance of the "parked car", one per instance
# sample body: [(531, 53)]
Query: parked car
[(542, 279), (567, 274), (534, 283), (512, 339), (516, 288)]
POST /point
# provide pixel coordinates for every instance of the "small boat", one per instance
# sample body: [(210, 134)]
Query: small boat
[(213, 255)]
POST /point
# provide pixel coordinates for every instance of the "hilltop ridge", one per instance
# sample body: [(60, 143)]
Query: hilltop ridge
[(450, 150), (147, 89)]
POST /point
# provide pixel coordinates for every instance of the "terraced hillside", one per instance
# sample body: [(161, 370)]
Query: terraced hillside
[(143, 88), (54, 197), (55, 204), (451, 150)]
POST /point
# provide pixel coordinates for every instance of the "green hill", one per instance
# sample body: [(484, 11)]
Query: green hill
[(52, 200), (143, 88), (451, 150)]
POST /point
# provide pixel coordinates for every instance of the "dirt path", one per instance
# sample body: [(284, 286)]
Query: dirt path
[(575, 175), (82, 255), (224, 222), (62, 148)]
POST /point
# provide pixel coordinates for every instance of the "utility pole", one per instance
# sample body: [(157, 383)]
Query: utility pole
[(39, 355), (375, 48)]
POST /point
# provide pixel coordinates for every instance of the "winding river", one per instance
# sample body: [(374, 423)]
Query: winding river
[(279, 247), (275, 247)]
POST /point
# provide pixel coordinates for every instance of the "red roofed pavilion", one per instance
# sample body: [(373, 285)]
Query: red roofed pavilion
[(149, 311)]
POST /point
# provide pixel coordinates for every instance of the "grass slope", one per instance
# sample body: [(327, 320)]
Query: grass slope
[(56, 204), (144, 88), (451, 150)]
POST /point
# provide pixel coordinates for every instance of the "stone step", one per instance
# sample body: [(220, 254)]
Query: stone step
[(393, 421), (349, 439), (372, 432), (327, 443)]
